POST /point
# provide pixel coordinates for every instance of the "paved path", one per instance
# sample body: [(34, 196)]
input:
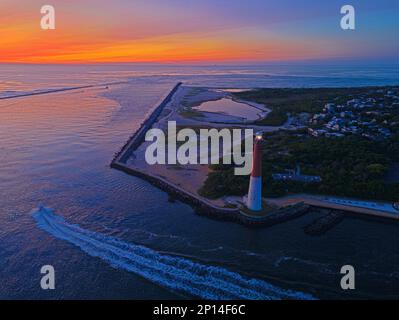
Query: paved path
[(318, 201)]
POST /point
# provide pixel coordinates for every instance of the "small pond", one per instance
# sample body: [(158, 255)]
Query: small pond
[(230, 108)]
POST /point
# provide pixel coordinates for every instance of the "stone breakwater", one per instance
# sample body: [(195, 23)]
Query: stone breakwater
[(138, 137), (202, 205)]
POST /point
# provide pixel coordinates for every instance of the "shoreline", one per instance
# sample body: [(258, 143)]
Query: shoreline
[(203, 207)]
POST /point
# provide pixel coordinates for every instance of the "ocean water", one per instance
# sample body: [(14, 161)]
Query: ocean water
[(110, 235)]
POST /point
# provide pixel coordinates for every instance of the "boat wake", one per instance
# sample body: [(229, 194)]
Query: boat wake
[(177, 274)]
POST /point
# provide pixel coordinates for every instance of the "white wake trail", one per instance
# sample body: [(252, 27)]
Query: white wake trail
[(180, 275)]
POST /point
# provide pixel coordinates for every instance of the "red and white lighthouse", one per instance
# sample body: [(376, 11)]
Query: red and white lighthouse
[(254, 199)]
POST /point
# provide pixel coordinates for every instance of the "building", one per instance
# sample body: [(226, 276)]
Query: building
[(295, 175)]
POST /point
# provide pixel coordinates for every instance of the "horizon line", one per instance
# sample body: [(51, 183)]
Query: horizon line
[(218, 62)]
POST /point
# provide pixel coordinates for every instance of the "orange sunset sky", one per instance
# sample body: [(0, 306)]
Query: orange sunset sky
[(194, 30)]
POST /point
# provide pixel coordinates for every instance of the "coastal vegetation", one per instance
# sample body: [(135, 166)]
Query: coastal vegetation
[(352, 166), (349, 137)]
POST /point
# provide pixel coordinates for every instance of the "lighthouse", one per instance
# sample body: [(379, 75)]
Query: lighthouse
[(254, 199)]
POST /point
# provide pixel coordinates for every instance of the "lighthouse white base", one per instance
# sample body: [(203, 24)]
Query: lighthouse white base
[(254, 199)]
